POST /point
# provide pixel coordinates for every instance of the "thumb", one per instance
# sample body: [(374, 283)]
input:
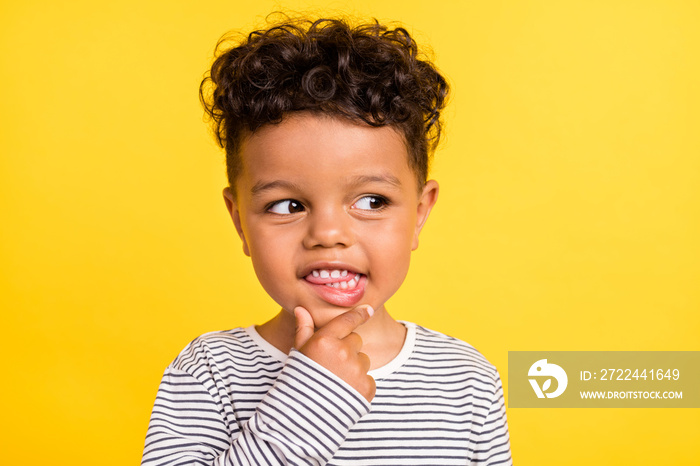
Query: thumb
[(305, 327)]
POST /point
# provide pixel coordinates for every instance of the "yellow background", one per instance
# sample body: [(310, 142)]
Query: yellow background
[(569, 214)]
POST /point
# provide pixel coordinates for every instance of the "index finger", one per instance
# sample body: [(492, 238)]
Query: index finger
[(344, 324)]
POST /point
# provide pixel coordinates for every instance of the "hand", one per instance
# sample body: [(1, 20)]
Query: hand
[(337, 347)]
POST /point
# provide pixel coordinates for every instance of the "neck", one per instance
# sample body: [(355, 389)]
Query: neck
[(382, 336)]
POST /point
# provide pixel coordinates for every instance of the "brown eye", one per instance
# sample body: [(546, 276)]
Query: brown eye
[(286, 207), (371, 203)]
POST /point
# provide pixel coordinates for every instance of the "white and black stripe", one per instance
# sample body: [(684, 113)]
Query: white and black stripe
[(231, 398)]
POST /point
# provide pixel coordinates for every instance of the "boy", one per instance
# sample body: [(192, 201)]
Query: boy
[(328, 130)]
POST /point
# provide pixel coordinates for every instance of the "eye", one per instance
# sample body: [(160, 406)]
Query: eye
[(371, 203), (286, 207)]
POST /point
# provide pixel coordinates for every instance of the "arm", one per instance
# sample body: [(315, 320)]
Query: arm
[(322, 391), (303, 419), (491, 445)]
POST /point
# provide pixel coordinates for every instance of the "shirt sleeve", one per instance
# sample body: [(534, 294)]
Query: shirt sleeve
[(491, 444), (303, 419)]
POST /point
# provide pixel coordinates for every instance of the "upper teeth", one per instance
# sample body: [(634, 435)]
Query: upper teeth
[(343, 284), (323, 273)]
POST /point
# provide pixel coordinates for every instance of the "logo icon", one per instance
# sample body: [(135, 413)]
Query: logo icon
[(543, 369)]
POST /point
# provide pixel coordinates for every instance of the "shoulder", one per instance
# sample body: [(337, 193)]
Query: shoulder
[(444, 350), (220, 349)]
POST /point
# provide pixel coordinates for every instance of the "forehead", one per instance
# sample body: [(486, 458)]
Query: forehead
[(318, 147)]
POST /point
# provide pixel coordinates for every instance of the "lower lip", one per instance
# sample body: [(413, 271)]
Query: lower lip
[(339, 296)]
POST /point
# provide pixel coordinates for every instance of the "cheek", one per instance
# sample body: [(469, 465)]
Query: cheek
[(390, 247), (274, 274), (271, 255)]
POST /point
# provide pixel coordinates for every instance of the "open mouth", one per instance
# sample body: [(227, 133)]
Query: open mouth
[(340, 287), (339, 279)]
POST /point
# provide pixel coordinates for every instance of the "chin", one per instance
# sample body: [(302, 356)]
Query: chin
[(323, 316)]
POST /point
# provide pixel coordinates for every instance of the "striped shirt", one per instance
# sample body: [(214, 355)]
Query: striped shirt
[(231, 398)]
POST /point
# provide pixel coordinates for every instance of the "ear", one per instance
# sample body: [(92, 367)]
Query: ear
[(232, 206), (426, 201)]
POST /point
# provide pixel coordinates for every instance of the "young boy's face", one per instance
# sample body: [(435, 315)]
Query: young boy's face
[(329, 212)]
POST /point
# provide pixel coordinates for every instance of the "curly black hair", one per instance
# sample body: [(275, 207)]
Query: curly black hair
[(368, 73)]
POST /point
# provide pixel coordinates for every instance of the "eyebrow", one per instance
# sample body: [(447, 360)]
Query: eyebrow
[(366, 179), (262, 186)]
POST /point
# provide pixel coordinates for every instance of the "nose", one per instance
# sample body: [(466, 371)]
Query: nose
[(328, 228)]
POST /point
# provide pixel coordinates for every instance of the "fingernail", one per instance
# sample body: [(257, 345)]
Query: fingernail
[(370, 311)]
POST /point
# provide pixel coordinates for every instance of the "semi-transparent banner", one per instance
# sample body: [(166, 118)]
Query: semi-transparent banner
[(604, 379)]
